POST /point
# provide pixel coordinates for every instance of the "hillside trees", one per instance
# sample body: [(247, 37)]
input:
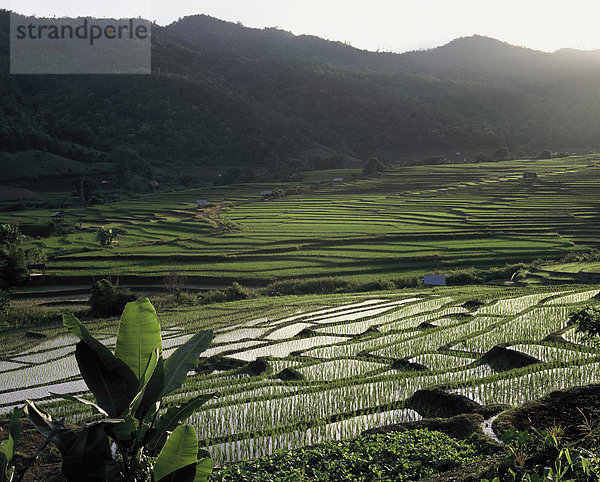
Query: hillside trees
[(13, 265), (373, 166), (502, 154)]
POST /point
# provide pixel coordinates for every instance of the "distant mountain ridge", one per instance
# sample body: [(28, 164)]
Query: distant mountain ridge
[(469, 58), (225, 96)]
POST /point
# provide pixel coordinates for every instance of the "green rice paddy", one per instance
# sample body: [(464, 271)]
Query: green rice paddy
[(345, 349), (408, 222)]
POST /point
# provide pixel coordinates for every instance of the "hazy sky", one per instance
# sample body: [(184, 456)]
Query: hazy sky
[(396, 25)]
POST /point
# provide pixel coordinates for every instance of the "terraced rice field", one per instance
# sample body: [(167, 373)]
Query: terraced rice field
[(410, 221), (354, 358)]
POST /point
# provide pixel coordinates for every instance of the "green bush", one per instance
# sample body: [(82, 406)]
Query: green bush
[(213, 296), (587, 321), (306, 286), (13, 265), (181, 298), (9, 233), (109, 299), (237, 292)]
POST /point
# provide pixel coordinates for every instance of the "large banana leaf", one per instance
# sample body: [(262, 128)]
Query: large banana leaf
[(103, 354), (89, 457), (185, 359), (138, 336), (112, 391), (180, 450), (172, 417), (144, 380), (204, 468), (197, 472), (153, 391)]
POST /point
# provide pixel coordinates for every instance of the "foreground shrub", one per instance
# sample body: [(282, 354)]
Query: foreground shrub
[(409, 455), (129, 389), (109, 299)]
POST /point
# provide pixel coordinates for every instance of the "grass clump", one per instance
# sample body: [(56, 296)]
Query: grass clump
[(409, 455)]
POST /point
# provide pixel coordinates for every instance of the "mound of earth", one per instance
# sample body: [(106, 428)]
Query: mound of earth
[(473, 305), (257, 367), (404, 364), (436, 402), (370, 330), (307, 333), (575, 410), (459, 426), (554, 338), (218, 362), (501, 359), (290, 375)]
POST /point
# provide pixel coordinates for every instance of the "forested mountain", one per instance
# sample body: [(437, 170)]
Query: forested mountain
[(225, 95)]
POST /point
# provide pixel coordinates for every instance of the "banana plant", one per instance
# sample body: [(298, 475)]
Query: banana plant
[(7, 447), (129, 387)]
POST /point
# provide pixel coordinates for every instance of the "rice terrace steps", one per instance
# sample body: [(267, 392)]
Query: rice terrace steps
[(281, 389)]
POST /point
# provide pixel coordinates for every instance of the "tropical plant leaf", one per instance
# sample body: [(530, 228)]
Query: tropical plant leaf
[(15, 428), (123, 430), (153, 392), (7, 447), (204, 468), (184, 474), (53, 430), (110, 361), (95, 407), (172, 417), (138, 336), (179, 451), (90, 458), (112, 391), (7, 451), (185, 359), (146, 377)]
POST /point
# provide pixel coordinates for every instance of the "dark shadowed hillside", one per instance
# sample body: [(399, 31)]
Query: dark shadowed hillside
[(223, 95)]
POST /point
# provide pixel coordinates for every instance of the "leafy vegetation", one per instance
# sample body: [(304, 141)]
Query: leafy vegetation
[(406, 455), (7, 447), (588, 322), (13, 265), (129, 387)]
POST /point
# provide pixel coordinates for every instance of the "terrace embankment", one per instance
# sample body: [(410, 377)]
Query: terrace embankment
[(576, 410)]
